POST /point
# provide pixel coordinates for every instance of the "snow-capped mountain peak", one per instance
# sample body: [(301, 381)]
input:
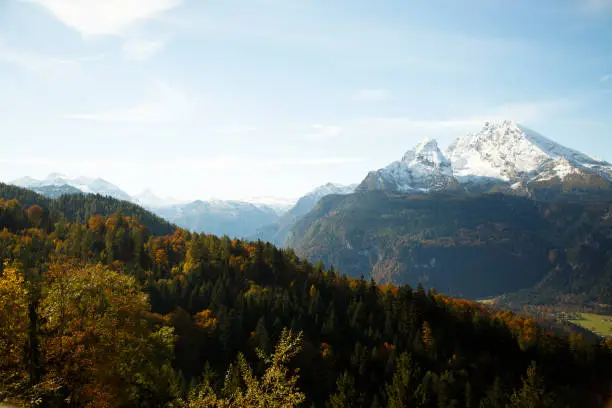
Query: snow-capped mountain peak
[(279, 204), (428, 154), (84, 184), (422, 168), (501, 152), (55, 176), (151, 200), (25, 181), (511, 152)]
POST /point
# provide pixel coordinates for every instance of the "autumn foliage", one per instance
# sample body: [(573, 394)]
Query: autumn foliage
[(106, 314)]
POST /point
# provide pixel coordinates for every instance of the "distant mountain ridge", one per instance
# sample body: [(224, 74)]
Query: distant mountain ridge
[(278, 204), (279, 231), (56, 191), (63, 184), (220, 217), (149, 199)]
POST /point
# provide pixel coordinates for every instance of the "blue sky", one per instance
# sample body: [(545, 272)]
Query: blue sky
[(235, 99)]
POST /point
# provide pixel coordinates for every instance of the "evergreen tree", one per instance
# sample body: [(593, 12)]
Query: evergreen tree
[(400, 392), (346, 395), (533, 393)]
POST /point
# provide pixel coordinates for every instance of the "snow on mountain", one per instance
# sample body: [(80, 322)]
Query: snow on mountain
[(331, 188), (84, 184), (500, 152), (279, 204), (513, 153), (423, 168), (56, 191), (151, 200), (310, 199), (219, 217), (26, 182)]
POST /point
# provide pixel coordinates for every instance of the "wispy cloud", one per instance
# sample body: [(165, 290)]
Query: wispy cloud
[(246, 163), (371, 95), (117, 18), (356, 42), (65, 166), (41, 63), (237, 163), (104, 18), (163, 104), (606, 78)]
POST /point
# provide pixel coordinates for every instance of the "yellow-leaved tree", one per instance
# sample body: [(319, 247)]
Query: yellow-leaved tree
[(276, 388), (13, 329), (98, 348)]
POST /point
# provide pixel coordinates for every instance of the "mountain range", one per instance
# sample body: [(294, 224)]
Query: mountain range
[(268, 218), (503, 210), (56, 184), (219, 217)]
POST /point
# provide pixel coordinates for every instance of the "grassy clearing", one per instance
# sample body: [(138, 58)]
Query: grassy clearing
[(599, 324), (488, 301)]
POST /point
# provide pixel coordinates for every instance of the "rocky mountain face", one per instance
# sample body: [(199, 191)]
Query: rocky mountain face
[(501, 155), (470, 246), (501, 210), (278, 231), (422, 169)]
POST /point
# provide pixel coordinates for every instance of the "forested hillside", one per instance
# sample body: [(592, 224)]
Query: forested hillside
[(81, 207), (466, 245), (106, 314)]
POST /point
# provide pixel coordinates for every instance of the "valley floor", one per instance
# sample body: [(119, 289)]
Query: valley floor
[(598, 324)]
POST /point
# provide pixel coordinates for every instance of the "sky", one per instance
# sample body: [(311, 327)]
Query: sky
[(233, 99)]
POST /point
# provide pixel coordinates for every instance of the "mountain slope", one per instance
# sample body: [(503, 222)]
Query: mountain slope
[(80, 207), (278, 204), (278, 232), (219, 217), (465, 246), (422, 169), (483, 219)]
